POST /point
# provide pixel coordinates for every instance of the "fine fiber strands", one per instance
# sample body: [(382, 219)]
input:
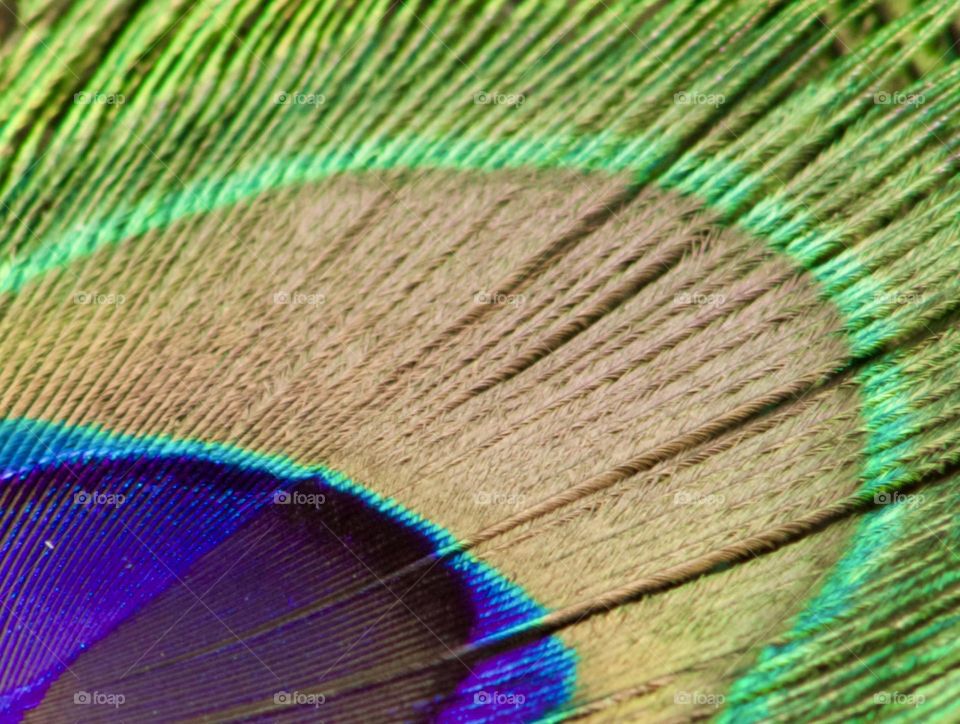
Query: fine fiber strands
[(483, 361)]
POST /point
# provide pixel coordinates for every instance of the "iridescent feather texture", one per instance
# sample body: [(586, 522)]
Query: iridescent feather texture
[(486, 361)]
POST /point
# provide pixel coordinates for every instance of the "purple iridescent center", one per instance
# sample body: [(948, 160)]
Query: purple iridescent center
[(151, 588)]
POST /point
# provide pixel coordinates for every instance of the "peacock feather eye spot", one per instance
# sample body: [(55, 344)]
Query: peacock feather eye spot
[(478, 362), (310, 589)]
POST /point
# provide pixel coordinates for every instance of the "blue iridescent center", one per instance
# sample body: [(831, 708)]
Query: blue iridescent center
[(134, 565)]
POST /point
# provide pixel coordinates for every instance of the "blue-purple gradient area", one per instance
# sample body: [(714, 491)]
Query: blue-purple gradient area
[(190, 578)]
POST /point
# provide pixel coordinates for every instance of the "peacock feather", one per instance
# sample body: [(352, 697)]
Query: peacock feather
[(492, 360)]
